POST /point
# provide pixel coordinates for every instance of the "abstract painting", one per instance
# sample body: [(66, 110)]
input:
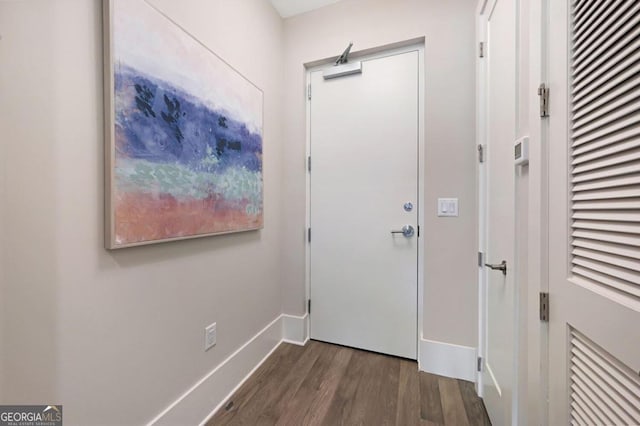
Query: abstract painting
[(183, 133)]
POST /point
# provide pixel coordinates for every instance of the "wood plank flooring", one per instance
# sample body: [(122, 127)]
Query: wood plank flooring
[(324, 384)]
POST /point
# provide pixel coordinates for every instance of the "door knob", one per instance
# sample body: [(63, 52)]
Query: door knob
[(498, 267), (406, 230)]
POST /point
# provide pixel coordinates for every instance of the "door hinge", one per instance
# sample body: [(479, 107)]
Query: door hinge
[(480, 258), (544, 307), (309, 234), (479, 363), (480, 153), (481, 50), (308, 91), (543, 93), (309, 163), (309, 306), (418, 231)]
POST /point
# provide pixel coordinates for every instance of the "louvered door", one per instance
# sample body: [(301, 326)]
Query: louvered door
[(594, 212)]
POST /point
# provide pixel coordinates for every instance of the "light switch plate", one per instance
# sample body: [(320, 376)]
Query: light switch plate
[(210, 336), (448, 207)]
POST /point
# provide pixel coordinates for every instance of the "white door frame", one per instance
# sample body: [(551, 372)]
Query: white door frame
[(535, 386), (376, 53)]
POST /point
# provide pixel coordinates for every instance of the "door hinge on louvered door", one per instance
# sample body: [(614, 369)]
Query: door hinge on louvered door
[(308, 91), (544, 307), (480, 153), (481, 50), (479, 364), (543, 93)]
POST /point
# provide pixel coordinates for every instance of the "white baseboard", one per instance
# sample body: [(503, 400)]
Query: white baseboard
[(444, 359), (294, 329), (195, 405), (202, 400)]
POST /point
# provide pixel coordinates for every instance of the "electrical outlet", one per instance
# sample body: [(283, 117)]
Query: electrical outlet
[(210, 336)]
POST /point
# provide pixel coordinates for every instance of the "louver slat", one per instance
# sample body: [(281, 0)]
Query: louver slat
[(602, 36), (612, 260), (608, 116), (582, 378), (596, 102), (626, 239), (578, 5), (612, 182), (607, 226), (619, 102), (584, 408), (587, 395), (618, 372), (608, 269), (621, 286), (605, 147), (599, 78), (618, 159), (600, 194), (615, 406), (594, 20), (609, 248), (608, 171), (628, 121), (579, 418), (580, 15), (618, 216), (603, 390), (600, 149), (625, 35), (610, 89)]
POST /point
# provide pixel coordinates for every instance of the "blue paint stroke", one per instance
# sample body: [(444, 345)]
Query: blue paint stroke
[(168, 141), (163, 124)]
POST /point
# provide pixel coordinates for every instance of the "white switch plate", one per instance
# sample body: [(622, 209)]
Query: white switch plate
[(210, 336), (448, 207)]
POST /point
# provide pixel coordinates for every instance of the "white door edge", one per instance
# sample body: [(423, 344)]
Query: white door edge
[(421, 174), (481, 75), (484, 11)]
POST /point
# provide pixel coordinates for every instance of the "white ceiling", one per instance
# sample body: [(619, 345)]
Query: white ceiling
[(287, 8)]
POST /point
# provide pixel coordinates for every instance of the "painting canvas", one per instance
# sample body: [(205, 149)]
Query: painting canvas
[(183, 133)]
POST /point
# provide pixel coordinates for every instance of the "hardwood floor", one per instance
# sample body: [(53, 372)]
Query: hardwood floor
[(324, 384)]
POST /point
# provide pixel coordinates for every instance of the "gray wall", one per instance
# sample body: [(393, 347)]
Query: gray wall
[(117, 336), (450, 287)]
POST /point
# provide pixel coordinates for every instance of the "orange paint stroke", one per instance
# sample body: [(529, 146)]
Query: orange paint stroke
[(143, 217)]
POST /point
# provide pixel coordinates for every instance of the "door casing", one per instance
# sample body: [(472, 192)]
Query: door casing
[(376, 53)]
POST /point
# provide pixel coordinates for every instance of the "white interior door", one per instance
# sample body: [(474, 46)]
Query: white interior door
[(500, 317), (364, 156), (594, 218)]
